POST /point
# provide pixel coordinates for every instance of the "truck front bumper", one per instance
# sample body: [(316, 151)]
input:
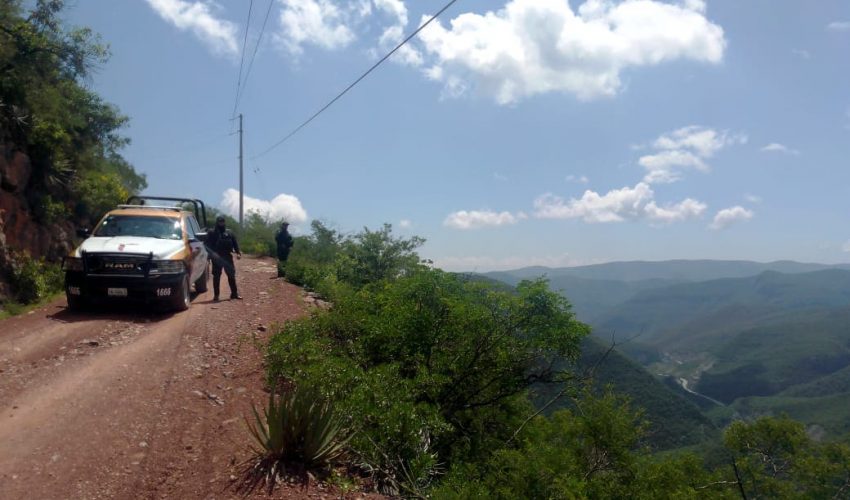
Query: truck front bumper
[(93, 288)]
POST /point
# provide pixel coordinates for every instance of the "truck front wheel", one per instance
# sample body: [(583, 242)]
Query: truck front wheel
[(183, 299)]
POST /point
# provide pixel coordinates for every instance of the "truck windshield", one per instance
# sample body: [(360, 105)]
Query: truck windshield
[(149, 227)]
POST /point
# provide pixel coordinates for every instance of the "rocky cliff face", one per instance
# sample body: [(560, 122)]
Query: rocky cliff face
[(20, 231)]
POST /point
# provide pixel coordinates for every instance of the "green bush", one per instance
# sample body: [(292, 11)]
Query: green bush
[(98, 193), (47, 109), (326, 259), (431, 369), (51, 210), (35, 279), (256, 237)]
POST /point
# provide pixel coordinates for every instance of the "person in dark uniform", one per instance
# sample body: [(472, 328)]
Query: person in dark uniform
[(221, 244), (284, 243)]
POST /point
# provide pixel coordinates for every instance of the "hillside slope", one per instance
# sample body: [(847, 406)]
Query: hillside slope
[(674, 421)]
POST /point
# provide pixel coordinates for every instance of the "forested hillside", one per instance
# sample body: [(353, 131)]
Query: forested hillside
[(456, 387), (764, 344), (60, 143)]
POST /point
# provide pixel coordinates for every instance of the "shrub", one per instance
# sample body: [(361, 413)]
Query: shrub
[(431, 369), (326, 259), (99, 192), (34, 280), (589, 451), (299, 430)]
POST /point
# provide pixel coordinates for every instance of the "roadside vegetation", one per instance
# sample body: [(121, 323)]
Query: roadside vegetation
[(435, 376), (65, 140)]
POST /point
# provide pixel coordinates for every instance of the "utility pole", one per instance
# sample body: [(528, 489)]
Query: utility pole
[(241, 186)]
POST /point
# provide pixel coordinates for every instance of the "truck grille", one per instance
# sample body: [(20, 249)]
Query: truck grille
[(121, 265)]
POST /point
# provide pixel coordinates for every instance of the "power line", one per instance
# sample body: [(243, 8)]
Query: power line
[(364, 75), (254, 55), (242, 60)]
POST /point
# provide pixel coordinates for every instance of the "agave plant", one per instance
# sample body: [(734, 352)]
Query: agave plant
[(299, 431)]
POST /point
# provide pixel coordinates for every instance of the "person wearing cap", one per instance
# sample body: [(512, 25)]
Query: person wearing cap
[(284, 243), (222, 244)]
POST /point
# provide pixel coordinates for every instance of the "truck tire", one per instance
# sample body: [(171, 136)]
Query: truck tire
[(75, 303), (183, 297), (201, 284)]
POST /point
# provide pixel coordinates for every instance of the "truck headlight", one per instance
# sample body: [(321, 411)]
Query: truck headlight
[(72, 264), (167, 267)]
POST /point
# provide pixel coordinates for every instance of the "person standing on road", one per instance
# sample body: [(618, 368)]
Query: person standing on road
[(284, 243), (221, 244)]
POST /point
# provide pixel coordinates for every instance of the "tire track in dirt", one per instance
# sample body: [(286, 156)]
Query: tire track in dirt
[(134, 405)]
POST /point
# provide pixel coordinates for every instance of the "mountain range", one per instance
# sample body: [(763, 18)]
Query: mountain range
[(736, 338)]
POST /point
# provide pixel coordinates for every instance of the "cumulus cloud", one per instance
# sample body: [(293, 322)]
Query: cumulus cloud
[(394, 33), (687, 148), (219, 34), (532, 47), (617, 205), (475, 219), (775, 147), (752, 198), (579, 179), (838, 26), (282, 206), (724, 218), (405, 224), (317, 22)]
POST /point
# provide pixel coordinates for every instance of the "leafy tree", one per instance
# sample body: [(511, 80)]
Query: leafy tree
[(433, 369), (589, 451), (372, 256), (70, 134), (774, 458)]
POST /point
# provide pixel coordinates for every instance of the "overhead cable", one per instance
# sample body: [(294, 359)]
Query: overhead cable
[(242, 60), (358, 80), (254, 55)]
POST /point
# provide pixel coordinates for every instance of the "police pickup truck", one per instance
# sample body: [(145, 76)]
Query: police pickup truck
[(141, 252)]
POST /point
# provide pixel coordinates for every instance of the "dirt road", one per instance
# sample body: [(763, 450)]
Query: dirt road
[(134, 404)]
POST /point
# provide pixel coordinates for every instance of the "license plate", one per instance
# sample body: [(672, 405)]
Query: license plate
[(116, 292)]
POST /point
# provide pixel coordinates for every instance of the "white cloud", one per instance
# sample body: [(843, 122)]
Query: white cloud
[(665, 167), (395, 8), (775, 147), (617, 205), (688, 208), (500, 177), (703, 141), (219, 34), (532, 47), (580, 179), (394, 33), (684, 149), (405, 224), (488, 263), (282, 206), (316, 22), (839, 26), (729, 216), (475, 219), (803, 53), (753, 198)]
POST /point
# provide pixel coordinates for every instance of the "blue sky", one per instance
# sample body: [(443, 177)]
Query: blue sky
[(512, 133)]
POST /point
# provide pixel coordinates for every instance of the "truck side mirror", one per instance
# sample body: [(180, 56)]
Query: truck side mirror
[(83, 232)]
